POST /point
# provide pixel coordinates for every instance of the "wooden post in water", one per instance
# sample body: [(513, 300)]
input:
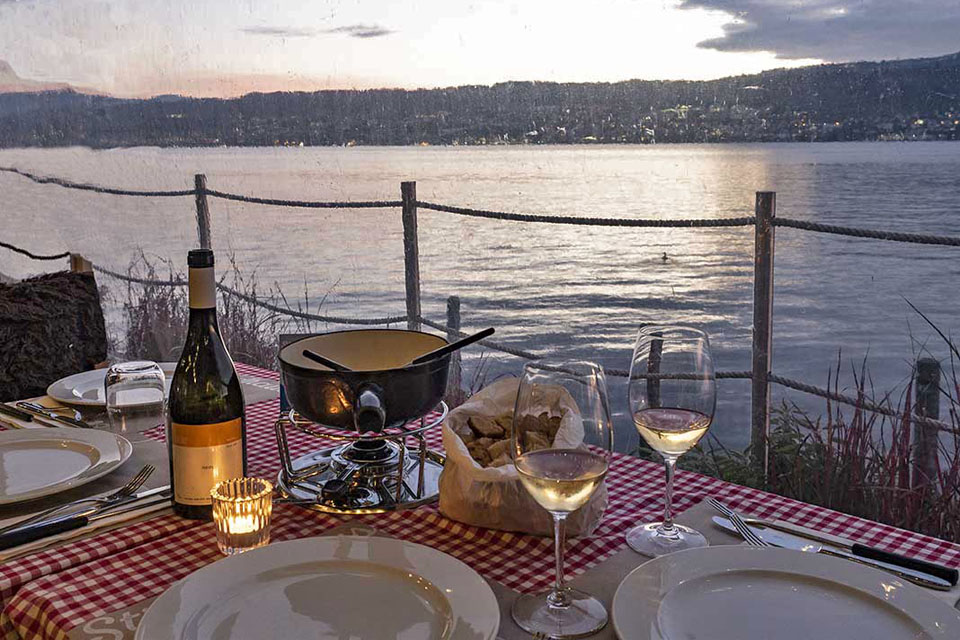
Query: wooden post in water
[(766, 209), (925, 436), (453, 327), (203, 211), (411, 253)]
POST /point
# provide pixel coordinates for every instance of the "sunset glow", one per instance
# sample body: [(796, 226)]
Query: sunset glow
[(221, 48)]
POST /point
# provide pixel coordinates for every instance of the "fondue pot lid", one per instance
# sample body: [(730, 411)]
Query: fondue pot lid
[(362, 350)]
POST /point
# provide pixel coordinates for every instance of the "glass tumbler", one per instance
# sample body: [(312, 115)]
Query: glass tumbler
[(136, 398)]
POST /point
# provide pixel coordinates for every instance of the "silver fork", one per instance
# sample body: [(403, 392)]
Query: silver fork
[(738, 524), (125, 491)]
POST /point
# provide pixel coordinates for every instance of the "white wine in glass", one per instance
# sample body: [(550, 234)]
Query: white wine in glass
[(562, 439), (561, 479), (672, 393), (671, 432)]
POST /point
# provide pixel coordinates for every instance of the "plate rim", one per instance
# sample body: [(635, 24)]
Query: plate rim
[(912, 591), (82, 436), (83, 402), (484, 591)]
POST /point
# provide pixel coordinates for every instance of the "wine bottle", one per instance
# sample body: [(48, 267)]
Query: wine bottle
[(206, 424)]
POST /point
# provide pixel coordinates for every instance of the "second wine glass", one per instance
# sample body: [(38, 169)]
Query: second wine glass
[(672, 393), (562, 439)]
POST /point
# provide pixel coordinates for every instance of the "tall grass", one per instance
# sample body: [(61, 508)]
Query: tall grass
[(155, 316), (852, 460)]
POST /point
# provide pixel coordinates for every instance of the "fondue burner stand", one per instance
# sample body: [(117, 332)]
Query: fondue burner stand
[(365, 473)]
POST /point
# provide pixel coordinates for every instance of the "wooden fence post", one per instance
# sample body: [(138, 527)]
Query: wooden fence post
[(926, 437), (766, 210), (411, 253), (79, 264), (453, 326), (203, 211)]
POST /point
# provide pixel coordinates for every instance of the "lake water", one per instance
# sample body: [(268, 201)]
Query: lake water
[(576, 292)]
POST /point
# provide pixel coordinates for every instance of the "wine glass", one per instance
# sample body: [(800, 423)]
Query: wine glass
[(562, 438), (673, 397)]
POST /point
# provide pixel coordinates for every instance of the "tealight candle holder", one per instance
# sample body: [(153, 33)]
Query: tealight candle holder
[(241, 514)]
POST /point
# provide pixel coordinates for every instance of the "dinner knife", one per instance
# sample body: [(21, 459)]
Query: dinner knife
[(13, 412), (17, 536), (861, 550), (94, 505), (786, 540), (40, 410)]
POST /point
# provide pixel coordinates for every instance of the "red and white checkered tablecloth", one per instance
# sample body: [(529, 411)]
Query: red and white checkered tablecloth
[(45, 594)]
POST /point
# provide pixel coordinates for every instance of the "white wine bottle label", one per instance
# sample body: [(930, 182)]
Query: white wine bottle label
[(203, 455), (202, 288)]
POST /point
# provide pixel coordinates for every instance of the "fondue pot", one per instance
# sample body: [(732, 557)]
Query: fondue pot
[(380, 389)]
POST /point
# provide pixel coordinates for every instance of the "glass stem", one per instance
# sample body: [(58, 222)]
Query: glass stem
[(667, 527), (559, 597)]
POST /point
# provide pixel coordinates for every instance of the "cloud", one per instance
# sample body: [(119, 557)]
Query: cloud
[(282, 32), (352, 30), (836, 30), (361, 30)]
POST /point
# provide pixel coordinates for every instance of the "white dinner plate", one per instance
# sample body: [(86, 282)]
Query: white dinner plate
[(739, 592), (328, 588), (86, 388), (41, 462)]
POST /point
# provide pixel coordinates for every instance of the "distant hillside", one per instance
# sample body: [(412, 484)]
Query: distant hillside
[(905, 99), (10, 82)]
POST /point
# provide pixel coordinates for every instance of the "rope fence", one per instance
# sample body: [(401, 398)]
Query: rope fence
[(409, 206), (35, 256), (62, 182), (894, 236), (859, 403), (135, 280), (269, 306), (303, 315), (309, 204), (586, 221)]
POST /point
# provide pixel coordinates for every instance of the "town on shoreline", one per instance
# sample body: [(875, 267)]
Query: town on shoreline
[(916, 99)]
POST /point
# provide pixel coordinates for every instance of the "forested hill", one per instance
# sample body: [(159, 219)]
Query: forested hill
[(905, 99)]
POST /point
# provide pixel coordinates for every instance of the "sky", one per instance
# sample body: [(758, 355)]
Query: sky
[(230, 47)]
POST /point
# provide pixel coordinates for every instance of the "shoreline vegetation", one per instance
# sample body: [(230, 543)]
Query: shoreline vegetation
[(913, 99), (846, 459)]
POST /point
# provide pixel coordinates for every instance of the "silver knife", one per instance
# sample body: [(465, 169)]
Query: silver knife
[(40, 410), (157, 496), (112, 507), (861, 550), (67, 510), (786, 540), (22, 534)]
